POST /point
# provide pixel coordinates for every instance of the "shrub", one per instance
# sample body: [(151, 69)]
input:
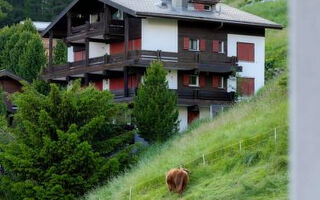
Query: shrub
[(65, 143)]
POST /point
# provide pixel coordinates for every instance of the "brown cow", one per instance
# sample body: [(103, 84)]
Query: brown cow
[(177, 180)]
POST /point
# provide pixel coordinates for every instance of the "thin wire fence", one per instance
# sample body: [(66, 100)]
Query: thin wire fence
[(219, 154)]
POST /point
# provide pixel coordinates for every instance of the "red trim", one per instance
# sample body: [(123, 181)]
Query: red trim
[(132, 82), (185, 79), (215, 81), (116, 83), (202, 81), (79, 56), (99, 85), (215, 46), (202, 45), (116, 48), (185, 43)]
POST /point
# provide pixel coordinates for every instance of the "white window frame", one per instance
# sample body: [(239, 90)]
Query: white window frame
[(197, 80), (222, 82), (191, 7), (197, 46), (221, 47), (208, 6)]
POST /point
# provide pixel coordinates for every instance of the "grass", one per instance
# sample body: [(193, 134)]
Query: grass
[(258, 172)]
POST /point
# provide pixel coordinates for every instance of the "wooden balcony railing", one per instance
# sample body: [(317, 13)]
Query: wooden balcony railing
[(198, 94), (116, 27), (184, 61)]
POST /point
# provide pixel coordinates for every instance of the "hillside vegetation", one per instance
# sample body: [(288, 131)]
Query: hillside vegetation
[(258, 171)]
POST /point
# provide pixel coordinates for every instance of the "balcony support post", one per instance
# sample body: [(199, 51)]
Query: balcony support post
[(69, 23), (107, 19), (125, 73), (87, 52), (86, 79), (126, 36), (50, 49)]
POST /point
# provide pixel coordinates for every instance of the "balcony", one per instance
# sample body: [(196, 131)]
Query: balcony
[(115, 28), (206, 62), (183, 95)]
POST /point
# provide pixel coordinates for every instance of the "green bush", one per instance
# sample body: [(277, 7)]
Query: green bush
[(60, 53), (65, 143), (155, 107)]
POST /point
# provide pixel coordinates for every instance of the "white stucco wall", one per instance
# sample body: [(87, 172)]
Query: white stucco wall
[(172, 78), (204, 112), (183, 118), (250, 69), (160, 34), (98, 49), (232, 84), (70, 54)]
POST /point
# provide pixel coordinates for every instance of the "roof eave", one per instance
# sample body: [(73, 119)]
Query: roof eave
[(60, 16), (270, 26)]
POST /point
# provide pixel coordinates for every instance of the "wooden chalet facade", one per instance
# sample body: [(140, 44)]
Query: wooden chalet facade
[(10, 84), (202, 44)]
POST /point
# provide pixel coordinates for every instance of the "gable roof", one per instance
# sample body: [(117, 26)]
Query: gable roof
[(7, 73), (228, 14), (151, 8)]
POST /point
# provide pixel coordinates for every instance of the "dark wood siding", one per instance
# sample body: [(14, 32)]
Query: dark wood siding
[(205, 81)]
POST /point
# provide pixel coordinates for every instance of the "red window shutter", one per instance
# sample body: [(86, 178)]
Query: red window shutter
[(185, 79), (215, 46), (245, 51), (185, 43), (202, 81), (199, 7), (99, 85), (202, 45), (215, 81), (246, 86)]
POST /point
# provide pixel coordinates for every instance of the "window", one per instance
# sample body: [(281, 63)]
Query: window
[(245, 51), (207, 8), (94, 18), (221, 47), (118, 15), (191, 6), (193, 45), (221, 82), (194, 80)]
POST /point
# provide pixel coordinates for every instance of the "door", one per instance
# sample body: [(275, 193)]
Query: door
[(193, 114)]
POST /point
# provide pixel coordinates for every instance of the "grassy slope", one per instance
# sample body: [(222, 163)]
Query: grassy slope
[(236, 176), (259, 173)]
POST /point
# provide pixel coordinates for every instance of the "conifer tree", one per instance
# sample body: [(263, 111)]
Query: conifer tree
[(60, 53), (65, 143), (155, 106)]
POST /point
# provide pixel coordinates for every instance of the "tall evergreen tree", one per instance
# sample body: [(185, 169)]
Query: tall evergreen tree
[(155, 106), (65, 143), (21, 50), (60, 53), (5, 7)]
